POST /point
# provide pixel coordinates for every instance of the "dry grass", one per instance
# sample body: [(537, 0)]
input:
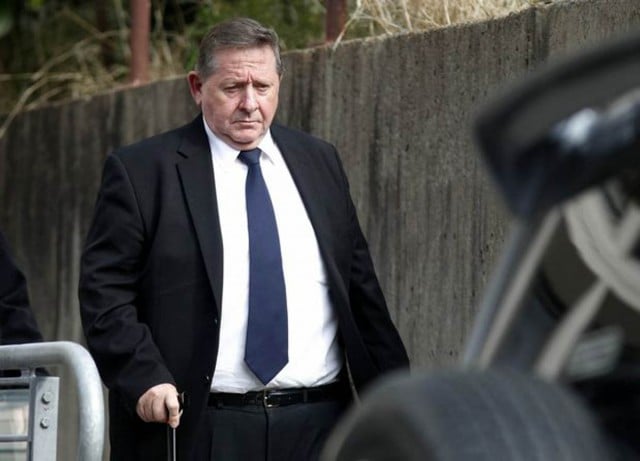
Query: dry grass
[(80, 72), (398, 16)]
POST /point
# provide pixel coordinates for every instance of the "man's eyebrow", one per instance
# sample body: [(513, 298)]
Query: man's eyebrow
[(242, 81)]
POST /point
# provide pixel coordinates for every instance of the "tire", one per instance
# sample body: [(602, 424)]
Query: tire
[(467, 415)]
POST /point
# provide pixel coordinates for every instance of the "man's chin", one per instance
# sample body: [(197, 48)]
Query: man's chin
[(247, 138)]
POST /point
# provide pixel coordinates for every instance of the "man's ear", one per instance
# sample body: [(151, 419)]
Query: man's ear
[(195, 86)]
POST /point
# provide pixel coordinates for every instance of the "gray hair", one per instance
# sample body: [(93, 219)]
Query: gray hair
[(235, 33)]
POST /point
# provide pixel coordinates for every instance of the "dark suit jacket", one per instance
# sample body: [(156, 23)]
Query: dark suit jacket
[(17, 322), (151, 276)]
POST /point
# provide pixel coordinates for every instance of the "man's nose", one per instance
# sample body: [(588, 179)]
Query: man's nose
[(249, 101)]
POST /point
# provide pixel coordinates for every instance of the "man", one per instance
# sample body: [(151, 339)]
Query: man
[(202, 233), (17, 322)]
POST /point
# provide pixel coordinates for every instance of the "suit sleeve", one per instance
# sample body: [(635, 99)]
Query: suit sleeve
[(112, 263), (17, 322), (367, 301)]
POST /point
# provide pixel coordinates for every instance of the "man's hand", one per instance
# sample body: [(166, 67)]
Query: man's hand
[(160, 405)]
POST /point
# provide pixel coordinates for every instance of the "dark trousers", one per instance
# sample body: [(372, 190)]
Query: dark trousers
[(287, 433)]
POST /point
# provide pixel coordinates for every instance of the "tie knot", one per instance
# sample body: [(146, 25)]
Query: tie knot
[(250, 157)]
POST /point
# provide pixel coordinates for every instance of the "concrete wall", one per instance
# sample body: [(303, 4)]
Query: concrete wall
[(399, 110)]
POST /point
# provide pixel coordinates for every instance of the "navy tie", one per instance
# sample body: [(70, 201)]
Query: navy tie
[(266, 351)]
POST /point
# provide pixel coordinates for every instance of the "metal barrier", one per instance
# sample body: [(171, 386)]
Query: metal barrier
[(42, 392)]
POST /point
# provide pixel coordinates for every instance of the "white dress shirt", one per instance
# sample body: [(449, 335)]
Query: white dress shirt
[(314, 353)]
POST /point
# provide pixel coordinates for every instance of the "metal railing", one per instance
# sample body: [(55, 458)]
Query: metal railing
[(91, 414)]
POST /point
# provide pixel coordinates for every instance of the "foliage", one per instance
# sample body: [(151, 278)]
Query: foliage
[(299, 23), (5, 18)]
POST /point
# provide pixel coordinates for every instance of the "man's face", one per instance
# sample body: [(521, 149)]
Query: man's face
[(239, 100)]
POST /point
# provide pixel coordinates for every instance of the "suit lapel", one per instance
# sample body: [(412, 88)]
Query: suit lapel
[(196, 175)]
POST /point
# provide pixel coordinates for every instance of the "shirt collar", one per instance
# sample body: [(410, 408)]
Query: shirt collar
[(227, 155)]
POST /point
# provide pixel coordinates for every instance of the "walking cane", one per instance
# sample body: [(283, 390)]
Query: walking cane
[(171, 443), (171, 434)]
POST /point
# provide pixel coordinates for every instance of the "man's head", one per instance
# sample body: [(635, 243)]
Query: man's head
[(237, 80)]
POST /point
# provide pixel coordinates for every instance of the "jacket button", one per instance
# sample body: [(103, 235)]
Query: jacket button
[(207, 378)]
